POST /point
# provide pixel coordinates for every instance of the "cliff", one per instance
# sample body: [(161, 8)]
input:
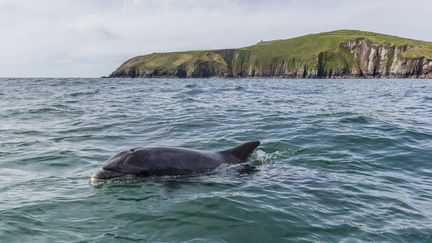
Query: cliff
[(338, 54)]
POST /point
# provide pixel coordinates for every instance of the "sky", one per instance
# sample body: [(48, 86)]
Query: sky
[(90, 38)]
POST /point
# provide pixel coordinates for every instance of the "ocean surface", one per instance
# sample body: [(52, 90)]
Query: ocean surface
[(340, 160)]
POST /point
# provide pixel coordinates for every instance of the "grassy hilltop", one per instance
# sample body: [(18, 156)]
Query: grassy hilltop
[(343, 53)]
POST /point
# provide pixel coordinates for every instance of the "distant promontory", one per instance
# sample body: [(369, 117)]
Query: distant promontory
[(337, 54)]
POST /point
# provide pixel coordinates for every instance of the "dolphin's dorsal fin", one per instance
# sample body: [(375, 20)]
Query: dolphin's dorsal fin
[(243, 151)]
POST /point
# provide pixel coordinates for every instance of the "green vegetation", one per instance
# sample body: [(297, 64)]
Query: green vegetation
[(322, 52)]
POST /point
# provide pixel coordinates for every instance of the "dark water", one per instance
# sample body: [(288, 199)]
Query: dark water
[(341, 160)]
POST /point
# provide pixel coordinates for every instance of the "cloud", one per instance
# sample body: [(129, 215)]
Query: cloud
[(90, 38)]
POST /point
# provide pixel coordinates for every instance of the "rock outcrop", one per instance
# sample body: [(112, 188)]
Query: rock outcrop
[(339, 54), (385, 61)]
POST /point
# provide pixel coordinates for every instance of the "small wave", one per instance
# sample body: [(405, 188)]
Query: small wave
[(75, 94), (355, 119), (376, 141), (235, 88), (89, 128), (193, 91), (116, 236), (71, 101), (45, 110), (332, 114), (190, 85), (417, 135)]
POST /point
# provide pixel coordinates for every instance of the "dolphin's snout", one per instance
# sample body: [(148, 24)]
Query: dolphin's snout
[(94, 180), (105, 175)]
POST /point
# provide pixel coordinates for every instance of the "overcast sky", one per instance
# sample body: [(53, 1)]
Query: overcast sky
[(90, 38)]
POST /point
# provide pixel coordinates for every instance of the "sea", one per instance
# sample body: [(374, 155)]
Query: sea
[(339, 161)]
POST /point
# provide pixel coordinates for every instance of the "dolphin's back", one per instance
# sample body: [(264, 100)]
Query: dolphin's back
[(177, 161)]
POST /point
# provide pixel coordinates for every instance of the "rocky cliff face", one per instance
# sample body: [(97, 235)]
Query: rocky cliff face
[(385, 61), (246, 64), (354, 58)]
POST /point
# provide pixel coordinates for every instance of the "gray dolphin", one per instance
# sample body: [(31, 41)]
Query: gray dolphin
[(160, 161)]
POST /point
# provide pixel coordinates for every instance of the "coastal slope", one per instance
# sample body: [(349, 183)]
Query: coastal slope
[(337, 54)]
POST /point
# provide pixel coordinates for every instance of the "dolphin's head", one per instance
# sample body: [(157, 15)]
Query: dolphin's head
[(128, 162)]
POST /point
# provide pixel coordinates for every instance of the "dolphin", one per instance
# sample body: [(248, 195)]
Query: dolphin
[(161, 161)]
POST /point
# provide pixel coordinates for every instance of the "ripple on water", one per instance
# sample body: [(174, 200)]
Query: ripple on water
[(355, 119)]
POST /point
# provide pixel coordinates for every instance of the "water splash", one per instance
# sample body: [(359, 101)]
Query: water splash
[(260, 157)]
